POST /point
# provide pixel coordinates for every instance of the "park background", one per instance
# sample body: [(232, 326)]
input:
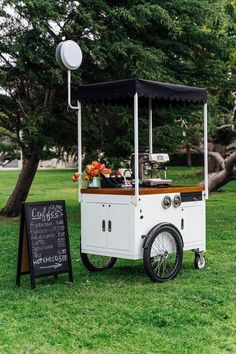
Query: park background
[(183, 42)]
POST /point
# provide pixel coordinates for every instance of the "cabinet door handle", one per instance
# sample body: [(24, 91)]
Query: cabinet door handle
[(103, 225), (182, 224), (109, 225)]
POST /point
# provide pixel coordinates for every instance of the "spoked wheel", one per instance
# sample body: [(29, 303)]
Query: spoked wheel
[(163, 253), (96, 263)]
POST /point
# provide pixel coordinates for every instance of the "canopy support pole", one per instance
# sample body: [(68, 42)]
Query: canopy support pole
[(136, 149), (79, 149), (150, 124), (205, 151)]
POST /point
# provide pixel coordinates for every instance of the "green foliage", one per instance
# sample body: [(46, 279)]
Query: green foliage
[(8, 149), (33, 110), (120, 310), (178, 41)]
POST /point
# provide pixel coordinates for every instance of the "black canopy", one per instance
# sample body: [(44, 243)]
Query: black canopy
[(116, 90)]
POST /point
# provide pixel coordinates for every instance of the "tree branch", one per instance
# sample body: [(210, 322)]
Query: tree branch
[(6, 61), (46, 98), (230, 161), (230, 127), (22, 109), (216, 155)]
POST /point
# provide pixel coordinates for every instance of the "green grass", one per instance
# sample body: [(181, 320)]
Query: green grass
[(120, 310)]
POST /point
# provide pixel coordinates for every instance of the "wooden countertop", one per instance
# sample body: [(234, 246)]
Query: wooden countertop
[(143, 190)]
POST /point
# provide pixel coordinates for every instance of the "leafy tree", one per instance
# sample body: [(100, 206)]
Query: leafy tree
[(179, 41), (176, 41), (33, 110)]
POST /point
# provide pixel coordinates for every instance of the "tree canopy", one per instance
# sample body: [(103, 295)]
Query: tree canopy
[(177, 41)]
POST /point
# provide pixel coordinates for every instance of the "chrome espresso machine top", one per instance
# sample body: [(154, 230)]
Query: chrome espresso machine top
[(150, 167)]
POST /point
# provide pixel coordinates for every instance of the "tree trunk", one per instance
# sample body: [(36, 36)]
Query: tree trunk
[(227, 173), (213, 164), (189, 156), (21, 190), (217, 180)]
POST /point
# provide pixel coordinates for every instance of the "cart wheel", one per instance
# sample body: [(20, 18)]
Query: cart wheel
[(164, 253), (96, 263), (199, 261)]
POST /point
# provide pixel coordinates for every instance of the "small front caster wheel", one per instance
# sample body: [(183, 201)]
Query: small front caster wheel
[(163, 253), (199, 261)]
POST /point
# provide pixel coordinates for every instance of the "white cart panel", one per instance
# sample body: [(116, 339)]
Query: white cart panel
[(105, 226), (113, 226), (193, 227), (93, 216), (118, 224)]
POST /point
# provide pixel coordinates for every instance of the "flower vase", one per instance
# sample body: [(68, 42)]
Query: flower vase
[(94, 183)]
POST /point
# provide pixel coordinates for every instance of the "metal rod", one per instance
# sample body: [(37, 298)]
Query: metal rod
[(205, 151), (136, 149), (69, 91), (79, 149), (150, 124), (78, 108)]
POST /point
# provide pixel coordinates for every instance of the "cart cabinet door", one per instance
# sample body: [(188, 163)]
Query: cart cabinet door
[(118, 226), (94, 228), (193, 227)]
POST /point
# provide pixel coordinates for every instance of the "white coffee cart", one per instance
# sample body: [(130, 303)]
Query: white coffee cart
[(155, 224)]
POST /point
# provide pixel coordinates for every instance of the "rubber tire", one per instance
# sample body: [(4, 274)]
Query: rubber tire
[(146, 253), (197, 261), (91, 267)]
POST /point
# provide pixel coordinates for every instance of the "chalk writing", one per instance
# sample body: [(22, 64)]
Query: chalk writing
[(48, 235), (47, 213), (43, 241)]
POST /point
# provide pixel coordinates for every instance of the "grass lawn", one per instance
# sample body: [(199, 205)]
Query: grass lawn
[(120, 310)]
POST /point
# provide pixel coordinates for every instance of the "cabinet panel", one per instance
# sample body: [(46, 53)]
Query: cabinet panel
[(94, 220), (118, 226), (193, 224)]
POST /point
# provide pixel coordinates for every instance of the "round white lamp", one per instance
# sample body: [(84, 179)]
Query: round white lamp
[(69, 55)]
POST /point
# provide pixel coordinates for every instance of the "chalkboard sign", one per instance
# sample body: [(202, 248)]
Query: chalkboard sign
[(43, 241)]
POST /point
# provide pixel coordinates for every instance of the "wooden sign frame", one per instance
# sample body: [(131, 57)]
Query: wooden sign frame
[(25, 256)]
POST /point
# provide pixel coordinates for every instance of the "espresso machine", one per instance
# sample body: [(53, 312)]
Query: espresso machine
[(152, 169)]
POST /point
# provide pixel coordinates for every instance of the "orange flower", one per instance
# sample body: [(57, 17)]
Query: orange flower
[(106, 171), (89, 169), (96, 164), (92, 173), (95, 172), (92, 170), (75, 177)]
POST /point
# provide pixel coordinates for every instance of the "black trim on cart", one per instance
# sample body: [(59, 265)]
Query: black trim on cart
[(156, 228), (191, 197)]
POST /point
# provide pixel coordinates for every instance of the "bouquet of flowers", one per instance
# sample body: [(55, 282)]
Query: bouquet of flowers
[(95, 169)]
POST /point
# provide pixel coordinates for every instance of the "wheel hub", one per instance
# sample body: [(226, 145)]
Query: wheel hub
[(166, 254)]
